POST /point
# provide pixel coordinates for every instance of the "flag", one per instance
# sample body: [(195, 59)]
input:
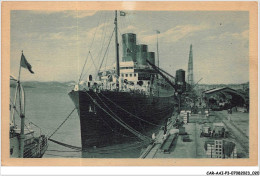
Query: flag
[(12, 78), (25, 64), (158, 32), (122, 13)]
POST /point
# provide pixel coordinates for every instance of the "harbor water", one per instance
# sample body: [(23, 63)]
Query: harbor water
[(47, 106)]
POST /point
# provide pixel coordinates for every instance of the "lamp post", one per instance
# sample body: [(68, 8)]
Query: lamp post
[(158, 32)]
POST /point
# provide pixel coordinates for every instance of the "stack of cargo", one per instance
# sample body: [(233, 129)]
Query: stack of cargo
[(182, 131), (205, 131), (220, 149), (241, 109), (206, 113), (185, 116), (186, 138), (174, 131)]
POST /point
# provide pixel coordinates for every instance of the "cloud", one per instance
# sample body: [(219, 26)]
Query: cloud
[(80, 14), (72, 36), (61, 36), (97, 30), (176, 33), (53, 36), (129, 28), (244, 35), (69, 13), (241, 36), (47, 12)]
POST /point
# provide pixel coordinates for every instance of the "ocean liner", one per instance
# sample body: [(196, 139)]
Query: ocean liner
[(127, 101)]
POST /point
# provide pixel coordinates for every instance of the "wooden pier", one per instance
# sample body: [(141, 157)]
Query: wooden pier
[(190, 144)]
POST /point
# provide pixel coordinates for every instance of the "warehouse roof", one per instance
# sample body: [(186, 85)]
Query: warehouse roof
[(226, 90)]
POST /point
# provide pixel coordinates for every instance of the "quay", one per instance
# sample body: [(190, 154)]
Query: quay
[(188, 141)]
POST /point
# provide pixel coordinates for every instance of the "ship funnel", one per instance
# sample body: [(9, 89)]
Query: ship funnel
[(141, 54), (151, 57), (129, 47)]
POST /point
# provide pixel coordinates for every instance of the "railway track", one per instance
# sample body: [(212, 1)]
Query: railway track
[(242, 132), (196, 140), (241, 138), (147, 151)]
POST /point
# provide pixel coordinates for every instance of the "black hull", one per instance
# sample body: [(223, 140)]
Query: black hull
[(100, 129)]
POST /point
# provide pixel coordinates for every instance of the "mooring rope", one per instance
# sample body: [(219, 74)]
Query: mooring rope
[(66, 145), (100, 150), (62, 123)]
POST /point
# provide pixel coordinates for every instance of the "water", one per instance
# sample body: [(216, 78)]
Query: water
[(47, 107)]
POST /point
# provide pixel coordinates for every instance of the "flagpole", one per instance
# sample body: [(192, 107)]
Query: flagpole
[(157, 48), (14, 105), (19, 71), (157, 32), (15, 95), (117, 53), (22, 137)]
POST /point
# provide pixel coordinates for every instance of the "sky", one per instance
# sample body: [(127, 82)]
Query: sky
[(57, 43)]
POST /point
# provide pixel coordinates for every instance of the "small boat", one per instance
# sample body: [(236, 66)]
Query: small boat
[(23, 141)]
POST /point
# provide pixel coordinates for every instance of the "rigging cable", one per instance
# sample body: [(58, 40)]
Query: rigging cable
[(25, 118), (90, 48), (18, 115), (100, 52), (121, 41), (104, 54), (106, 50), (30, 122), (104, 32), (117, 119), (102, 39), (114, 113), (107, 56), (92, 60), (116, 133), (128, 111)]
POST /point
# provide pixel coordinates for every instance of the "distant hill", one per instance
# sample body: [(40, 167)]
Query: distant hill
[(37, 84), (244, 87)]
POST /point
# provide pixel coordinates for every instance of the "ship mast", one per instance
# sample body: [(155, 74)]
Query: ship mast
[(22, 116), (117, 52)]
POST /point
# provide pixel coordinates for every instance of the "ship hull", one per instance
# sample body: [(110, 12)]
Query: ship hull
[(110, 117)]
